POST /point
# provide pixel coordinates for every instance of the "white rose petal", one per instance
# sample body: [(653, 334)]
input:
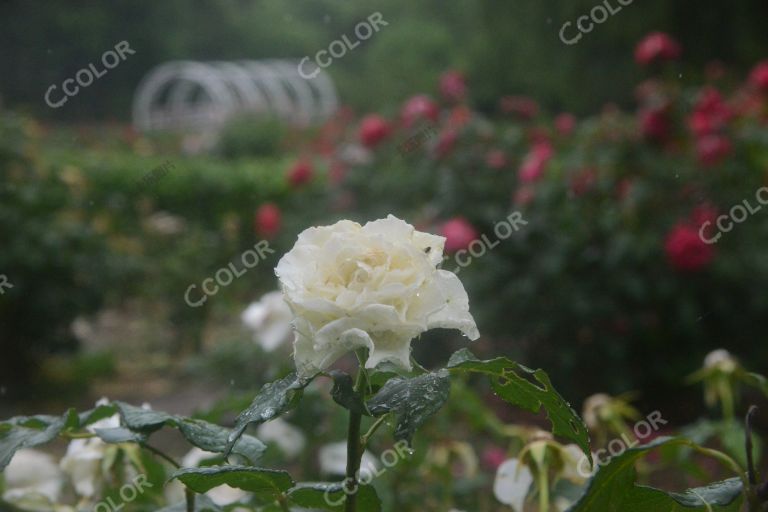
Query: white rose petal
[(513, 481), (288, 438), (720, 359), (33, 481), (375, 286), (270, 320), (333, 460), (572, 469), (84, 458)]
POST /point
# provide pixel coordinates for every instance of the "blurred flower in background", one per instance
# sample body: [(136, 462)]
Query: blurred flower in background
[(32, 481), (657, 47), (270, 320)]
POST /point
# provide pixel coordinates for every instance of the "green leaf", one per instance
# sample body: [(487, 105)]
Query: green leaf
[(97, 413), (513, 383), (614, 488), (204, 435), (344, 393), (757, 381), (272, 400), (213, 438), (26, 432), (138, 418), (264, 483), (331, 496), (120, 435), (413, 400)]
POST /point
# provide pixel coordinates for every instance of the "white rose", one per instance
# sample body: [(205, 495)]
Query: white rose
[(270, 320), (375, 286), (84, 458), (33, 481), (512, 484), (288, 438), (333, 460)]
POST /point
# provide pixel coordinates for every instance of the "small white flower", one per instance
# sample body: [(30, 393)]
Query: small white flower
[(573, 460), (164, 223), (722, 360), (375, 286), (84, 458), (562, 504), (288, 438), (222, 495), (33, 481), (270, 320), (333, 460), (513, 481)]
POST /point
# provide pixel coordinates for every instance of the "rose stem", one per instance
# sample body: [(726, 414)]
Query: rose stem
[(354, 444)]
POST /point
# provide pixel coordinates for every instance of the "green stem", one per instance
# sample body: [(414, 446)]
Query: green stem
[(161, 455), (354, 443), (78, 435), (188, 494), (543, 488), (354, 457), (283, 503), (371, 431)]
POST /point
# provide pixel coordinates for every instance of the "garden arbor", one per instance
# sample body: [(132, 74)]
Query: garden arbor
[(201, 96)]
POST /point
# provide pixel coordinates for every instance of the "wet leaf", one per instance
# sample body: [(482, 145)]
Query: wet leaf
[(530, 390)]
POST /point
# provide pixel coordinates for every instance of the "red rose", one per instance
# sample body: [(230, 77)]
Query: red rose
[(565, 124), (713, 149), (453, 87), (300, 173), (710, 113), (373, 130), (685, 249), (656, 47), (524, 195), (267, 220), (759, 76), (496, 159), (583, 181), (493, 457), (535, 162), (446, 142), (654, 125), (459, 233), (419, 108), (704, 213), (520, 106)]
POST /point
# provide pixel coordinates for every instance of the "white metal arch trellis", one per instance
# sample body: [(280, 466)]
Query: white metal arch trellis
[(188, 95)]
